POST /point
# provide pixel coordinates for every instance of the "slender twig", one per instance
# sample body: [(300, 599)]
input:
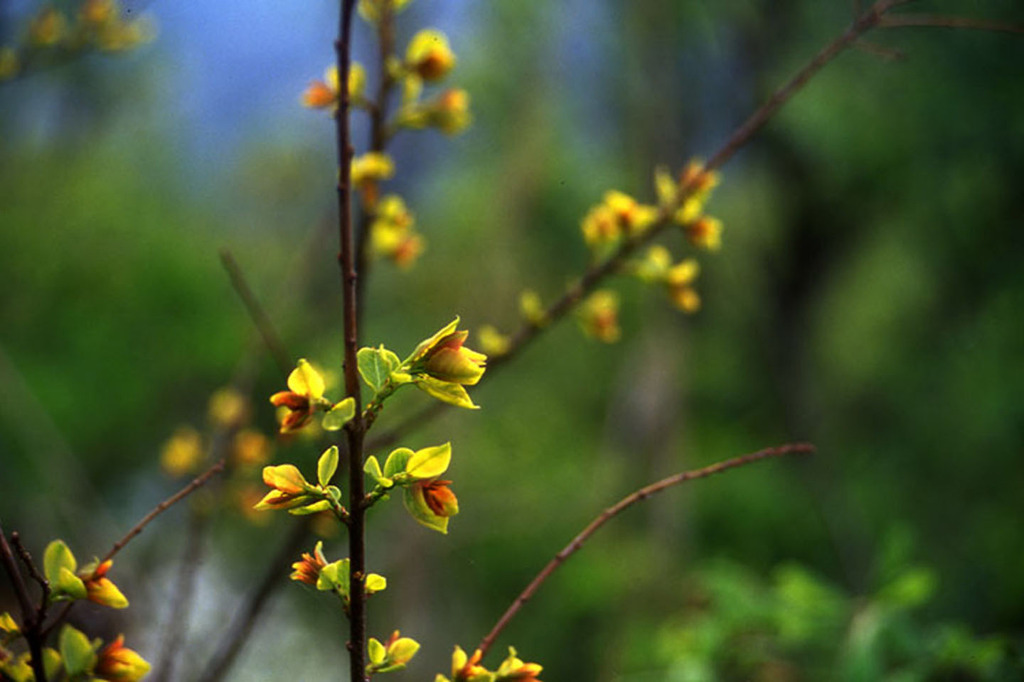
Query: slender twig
[(597, 273), (940, 21), (241, 626), (620, 506), (196, 483), (259, 316), (888, 53), (30, 565), (355, 429), (31, 619), (861, 25)]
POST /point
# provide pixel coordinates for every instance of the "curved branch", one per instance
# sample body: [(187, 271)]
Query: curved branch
[(196, 483), (611, 512), (941, 21)]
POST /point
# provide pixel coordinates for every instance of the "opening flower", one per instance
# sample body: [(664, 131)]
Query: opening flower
[(100, 589), (679, 281), (307, 570), (305, 395), (449, 113), (429, 55), (599, 316), (391, 655), (468, 668), (322, 94), (444, 357), (705, 233), (117, 663), (290, 488), (512, 668)]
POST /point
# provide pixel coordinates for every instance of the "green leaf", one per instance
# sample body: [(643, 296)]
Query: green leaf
[(335, 493), (391, 668), (327, 465), (69, 584), (318, 506), (376, 366), (429, 462), (55, 557), (396, 461), (375, 583), (377, 652), (453, 394), (339, 415), (372, 468), (78, 652), (334, 577)]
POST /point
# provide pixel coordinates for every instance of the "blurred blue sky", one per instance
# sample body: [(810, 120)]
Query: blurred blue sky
[(237, 66)]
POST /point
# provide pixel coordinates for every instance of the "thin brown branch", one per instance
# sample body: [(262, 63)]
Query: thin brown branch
[(942, 21), (196, 483), (33, 570), (887, 53), (257, 313), (611, 512), (31, 619), (355, 429)]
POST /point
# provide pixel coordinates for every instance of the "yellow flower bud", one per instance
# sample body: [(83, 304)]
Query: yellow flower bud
[(599, 316), (183, 453), (449, 113), (117, 663), (429, 55)]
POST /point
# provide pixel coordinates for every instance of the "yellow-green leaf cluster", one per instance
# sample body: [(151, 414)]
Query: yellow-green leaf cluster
[(391, 655)]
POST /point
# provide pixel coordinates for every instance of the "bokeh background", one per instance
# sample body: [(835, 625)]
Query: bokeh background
[(868, 298)]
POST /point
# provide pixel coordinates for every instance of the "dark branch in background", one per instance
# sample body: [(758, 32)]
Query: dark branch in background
[(378, 142), (245, 619), (940, 21), (257, 313), (31, 618), (183, 594), (620, 506)]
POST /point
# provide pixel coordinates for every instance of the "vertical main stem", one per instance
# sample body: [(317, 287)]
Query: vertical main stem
[(355, 428)]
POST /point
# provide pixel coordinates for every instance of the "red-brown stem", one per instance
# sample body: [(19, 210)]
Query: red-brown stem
[(196, 483), (940, 21), (620, 506), (355, 428), (31, 619)]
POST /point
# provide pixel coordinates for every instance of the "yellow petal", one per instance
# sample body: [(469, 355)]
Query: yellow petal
[(305, 380)]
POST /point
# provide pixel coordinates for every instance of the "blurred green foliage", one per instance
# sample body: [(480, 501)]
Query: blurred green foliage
[(868, 298)]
